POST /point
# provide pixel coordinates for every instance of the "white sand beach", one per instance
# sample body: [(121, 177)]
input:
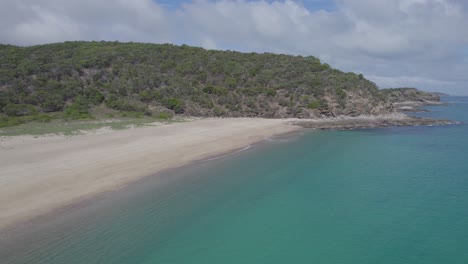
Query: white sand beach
[(38, 175)]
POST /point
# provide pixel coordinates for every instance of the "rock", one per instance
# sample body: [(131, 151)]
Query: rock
[(359, 122)]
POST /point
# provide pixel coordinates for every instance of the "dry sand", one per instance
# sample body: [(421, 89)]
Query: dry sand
[(38, 175)]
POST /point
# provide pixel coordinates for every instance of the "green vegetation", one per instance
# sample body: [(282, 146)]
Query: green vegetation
[(6, 121), (341, 93), (59, 126), (19, 109), (315, 105), (408, 94), (81, 80)]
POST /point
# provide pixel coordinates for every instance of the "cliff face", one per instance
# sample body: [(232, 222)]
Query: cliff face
[(75, 77)]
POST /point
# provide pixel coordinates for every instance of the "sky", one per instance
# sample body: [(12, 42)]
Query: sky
[(395, 43)]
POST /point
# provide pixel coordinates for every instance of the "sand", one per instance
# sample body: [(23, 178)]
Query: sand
[(39, 175)]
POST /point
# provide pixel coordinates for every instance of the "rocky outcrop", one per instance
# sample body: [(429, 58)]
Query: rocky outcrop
[(362, 111), (411, 99), (399, 95), (360, 122)]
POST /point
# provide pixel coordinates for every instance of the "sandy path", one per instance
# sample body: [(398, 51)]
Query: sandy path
[(38, 175)]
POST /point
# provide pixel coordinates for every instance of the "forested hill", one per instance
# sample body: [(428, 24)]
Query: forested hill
[(76, 77)]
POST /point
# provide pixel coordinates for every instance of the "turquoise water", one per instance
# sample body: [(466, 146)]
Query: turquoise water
[(397, 195)]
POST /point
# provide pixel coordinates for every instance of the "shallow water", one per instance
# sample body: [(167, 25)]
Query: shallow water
[(395, 195)]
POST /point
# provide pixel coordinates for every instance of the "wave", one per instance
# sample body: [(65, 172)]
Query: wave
[(277, 140), (231, 153)]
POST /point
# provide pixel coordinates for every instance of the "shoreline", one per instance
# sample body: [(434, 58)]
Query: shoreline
[(14, 236), (39, 176), (36, 173)]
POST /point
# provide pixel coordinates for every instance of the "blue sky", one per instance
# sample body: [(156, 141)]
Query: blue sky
[(397, 43)]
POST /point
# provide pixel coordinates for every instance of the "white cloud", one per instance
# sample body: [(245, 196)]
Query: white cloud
[(419, 43), (30, 22)]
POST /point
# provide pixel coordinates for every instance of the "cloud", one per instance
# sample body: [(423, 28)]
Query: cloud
[(422, 43), (29, 22)]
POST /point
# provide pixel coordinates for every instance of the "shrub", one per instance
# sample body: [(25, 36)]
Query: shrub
[(251, 103), (314, 105), (218, 111), (217, 90), (174, 104), (6, 121), (146, 96), (341, 93), (253, 91), (204, 101), (231, 82), (163, 115), (269, 92), (112, 101), (132, 114), (53, 103), (44, 118), (126, 105), (77, 111), (94, 96), (19, 109)]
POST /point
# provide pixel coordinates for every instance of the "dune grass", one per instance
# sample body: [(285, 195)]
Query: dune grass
[(63, 127)]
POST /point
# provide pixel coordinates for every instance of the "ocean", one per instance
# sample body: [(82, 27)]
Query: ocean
[(392, 195)]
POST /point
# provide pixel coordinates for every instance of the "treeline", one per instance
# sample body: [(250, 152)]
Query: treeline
[(73, 78)]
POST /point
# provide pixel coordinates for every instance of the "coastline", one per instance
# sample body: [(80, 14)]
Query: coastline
[(41, 175)]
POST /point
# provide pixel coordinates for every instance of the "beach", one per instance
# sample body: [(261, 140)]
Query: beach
[(334, 196), (41, 174)]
